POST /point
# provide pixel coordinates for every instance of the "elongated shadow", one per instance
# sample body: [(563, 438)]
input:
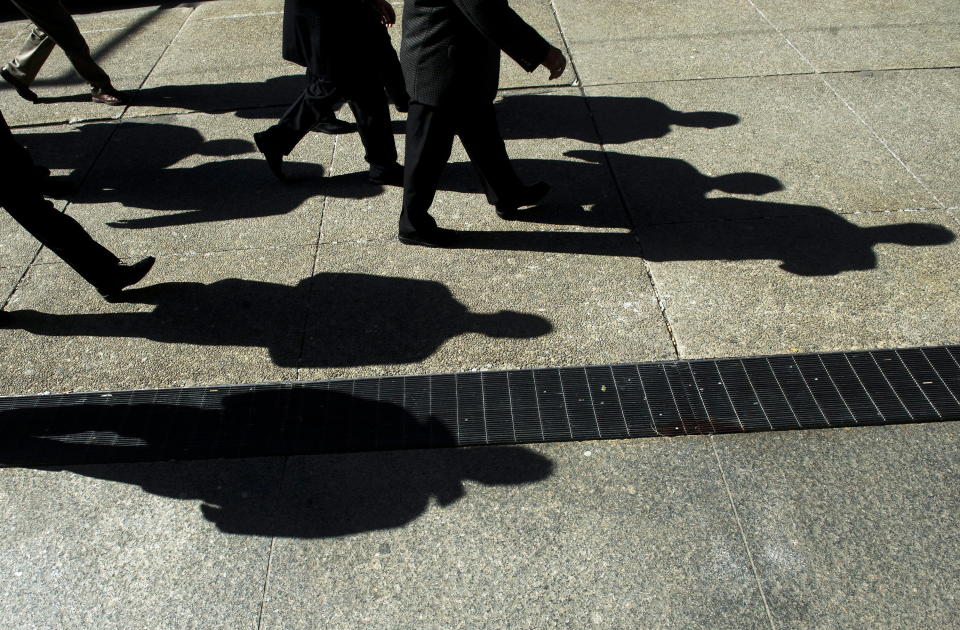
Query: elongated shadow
[(677, 215), (323, 496), (355, 319)]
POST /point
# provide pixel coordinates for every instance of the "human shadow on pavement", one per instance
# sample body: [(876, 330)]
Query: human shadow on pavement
[(676, 217), (344, 492), (620, 119), (253, 99), (354, 319), (163, 177)]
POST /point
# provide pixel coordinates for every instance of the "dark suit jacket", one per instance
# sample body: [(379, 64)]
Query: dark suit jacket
[(450, 50), (337, 38)]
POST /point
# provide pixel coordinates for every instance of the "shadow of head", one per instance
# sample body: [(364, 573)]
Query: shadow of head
[(509, 324), (912, 234), (746, 183), (619, 119)]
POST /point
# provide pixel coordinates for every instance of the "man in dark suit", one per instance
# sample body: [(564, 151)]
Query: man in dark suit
[(450, 55), (66, 238), (341, 43)]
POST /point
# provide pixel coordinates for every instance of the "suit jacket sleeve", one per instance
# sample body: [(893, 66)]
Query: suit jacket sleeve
[(507, 30)]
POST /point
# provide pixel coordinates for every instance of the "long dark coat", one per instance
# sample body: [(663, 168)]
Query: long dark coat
[(337, 38), (450, 50)]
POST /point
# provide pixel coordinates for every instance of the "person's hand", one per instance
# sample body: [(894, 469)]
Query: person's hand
[(555, 62), (388, 16)]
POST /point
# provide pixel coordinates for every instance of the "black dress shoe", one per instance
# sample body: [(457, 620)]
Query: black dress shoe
[(526, 196), (124, 276), (273, 155), (334, 126), (108, 96), (386, 176), (24, 92), (436, 237)]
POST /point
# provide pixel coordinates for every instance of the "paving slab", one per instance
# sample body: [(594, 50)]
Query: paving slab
[(792, 144), (927, 139), (199, 319), (443, 310), (852, 527), (226, 57), (10, 273), (604, 535), (874, 34), (617, 42), (199, 184), (129, 546), (815, 283), (126, 43)]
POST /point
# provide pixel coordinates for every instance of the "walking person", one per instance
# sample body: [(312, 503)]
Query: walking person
[(21, 197), (450, 53), (53, 26), (340, 42)]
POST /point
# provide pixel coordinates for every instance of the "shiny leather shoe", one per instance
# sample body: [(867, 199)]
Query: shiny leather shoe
[(526, 196), (124, 276), (108, 96), (436, 237), (24, 92), (273, 155)]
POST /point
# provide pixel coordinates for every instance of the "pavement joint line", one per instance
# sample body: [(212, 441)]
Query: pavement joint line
[(193, 9), (566, 44), (19, 280), (743, 534), (847, 104), (241, 15), (308, 311)]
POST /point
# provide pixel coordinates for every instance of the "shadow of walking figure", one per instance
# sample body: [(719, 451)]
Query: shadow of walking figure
[(342, 493), (621, 119), (357, 319), (677, 218)]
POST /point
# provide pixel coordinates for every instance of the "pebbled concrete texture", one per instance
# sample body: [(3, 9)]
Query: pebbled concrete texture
[(661, 531), (205, 318), (879, 34), (652, 244), (851, 527), (615, 42), (926, 137), (129, 547), (815, 283), (713, 132)]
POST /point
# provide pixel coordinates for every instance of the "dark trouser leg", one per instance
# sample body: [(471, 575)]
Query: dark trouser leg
[(52, 18), (55, 230), (480, 136), (314, 103), (369, 106), (429, 142), (64, 237)]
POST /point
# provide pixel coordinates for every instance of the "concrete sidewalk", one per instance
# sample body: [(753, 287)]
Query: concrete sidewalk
[(729, 178)]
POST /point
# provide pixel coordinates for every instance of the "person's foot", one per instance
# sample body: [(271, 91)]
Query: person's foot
[(25, 92), (434, 237), (334, 126), (386, 176), (124, 276), (272, 154), (526, 196), (108, 96)]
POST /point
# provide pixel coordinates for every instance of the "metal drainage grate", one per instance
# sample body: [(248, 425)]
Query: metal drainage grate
[(509, 407)]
